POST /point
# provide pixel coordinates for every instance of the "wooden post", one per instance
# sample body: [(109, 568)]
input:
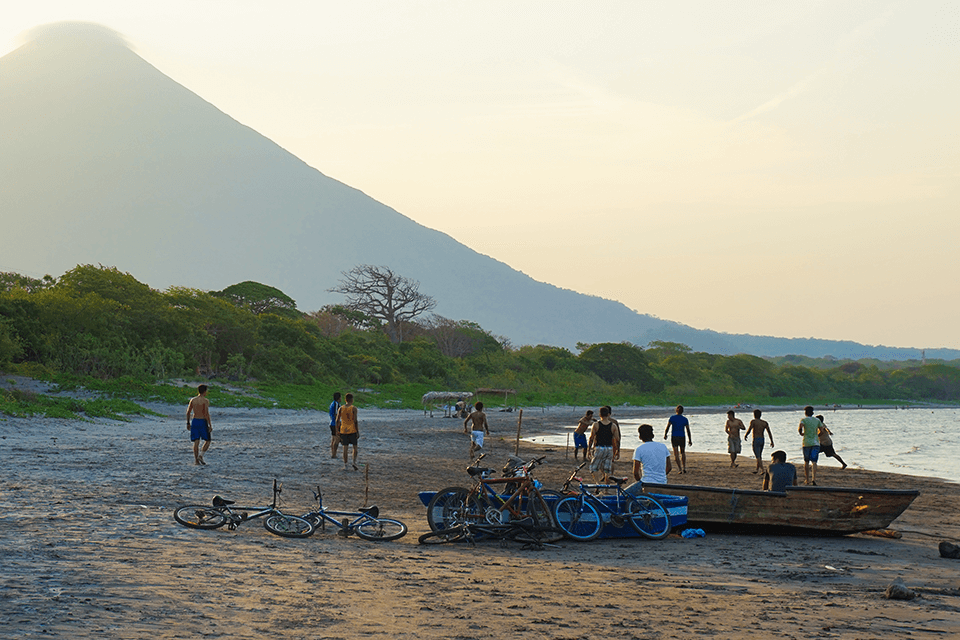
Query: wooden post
[(516, 450), (366, 482)]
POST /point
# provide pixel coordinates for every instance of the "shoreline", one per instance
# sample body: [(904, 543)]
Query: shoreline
[(91, 548)]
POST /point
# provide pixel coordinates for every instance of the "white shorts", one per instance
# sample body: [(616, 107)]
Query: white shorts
[(477, 438)]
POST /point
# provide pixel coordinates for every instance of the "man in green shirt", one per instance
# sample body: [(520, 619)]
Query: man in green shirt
[(809, 429)]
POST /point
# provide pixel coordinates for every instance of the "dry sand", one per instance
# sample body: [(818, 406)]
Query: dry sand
[(90, 548)]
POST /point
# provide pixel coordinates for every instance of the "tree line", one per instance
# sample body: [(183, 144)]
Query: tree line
[(100, 322)]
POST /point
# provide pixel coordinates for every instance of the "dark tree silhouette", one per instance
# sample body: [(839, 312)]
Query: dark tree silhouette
[(380, 293)]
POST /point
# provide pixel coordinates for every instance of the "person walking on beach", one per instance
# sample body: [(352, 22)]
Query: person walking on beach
[(334, 438), (826, 443), (580, 435), (733, 428), (779, 474), (809, 428), (348, 430), (678, 423), (480, 426), (651, 461), (605, 444), (758, 427), (200, 427)]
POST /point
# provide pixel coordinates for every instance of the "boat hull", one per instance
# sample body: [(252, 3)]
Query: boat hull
[(810, 510)]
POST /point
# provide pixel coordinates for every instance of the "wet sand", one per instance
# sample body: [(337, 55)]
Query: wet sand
[(90, 548)]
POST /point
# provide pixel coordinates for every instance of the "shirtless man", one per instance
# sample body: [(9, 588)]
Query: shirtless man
[(757, 427), (733, 428), (348, 429), (200, 427), (480, 426), (580, 435)]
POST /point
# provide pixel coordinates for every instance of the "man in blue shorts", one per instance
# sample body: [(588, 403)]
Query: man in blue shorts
[(200, 427), (580, 435), (809, 428), (679, 423)]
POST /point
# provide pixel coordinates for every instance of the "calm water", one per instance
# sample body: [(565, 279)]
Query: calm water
[(919, 442)]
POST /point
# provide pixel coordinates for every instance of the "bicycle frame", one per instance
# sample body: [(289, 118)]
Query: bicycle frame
[(483, 490), (340, 519), (237, 514)]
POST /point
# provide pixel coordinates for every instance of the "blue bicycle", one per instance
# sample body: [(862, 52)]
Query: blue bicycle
[(583, 516), (365, 522)]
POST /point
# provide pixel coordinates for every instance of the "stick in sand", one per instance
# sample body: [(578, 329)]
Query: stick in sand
[(366, 483), (516, 450)]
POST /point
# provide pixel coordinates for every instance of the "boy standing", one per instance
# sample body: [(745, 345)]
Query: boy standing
[(678, 423), (333, 410), (758, 427), (809, 428), (480, 426), (200, 427), (605, 442), (348, 430), (733, 428)]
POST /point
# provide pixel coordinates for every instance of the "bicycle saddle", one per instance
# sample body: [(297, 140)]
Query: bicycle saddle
[(373, 511), (220, 502), (478, 471), (618, 480)]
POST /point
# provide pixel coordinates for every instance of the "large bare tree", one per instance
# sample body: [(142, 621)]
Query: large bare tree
[(380, 293)]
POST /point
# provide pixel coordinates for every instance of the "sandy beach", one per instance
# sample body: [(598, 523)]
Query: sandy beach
[(91, 550)]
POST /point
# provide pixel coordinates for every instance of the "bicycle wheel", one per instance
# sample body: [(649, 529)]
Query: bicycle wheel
[(578, 519), (649, 517), (381, 529), (452, 507), (288, 526), (441, 536), (199, 517), (542, 514)]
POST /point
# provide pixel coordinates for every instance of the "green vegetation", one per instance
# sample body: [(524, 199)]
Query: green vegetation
[(101, 330)]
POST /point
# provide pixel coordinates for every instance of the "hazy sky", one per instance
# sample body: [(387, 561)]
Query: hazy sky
[(775, 168)]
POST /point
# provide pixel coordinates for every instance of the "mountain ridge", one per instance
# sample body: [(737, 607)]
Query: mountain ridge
[(151, 178)]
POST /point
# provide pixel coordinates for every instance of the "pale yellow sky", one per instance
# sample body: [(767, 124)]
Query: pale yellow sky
[(785, 169)]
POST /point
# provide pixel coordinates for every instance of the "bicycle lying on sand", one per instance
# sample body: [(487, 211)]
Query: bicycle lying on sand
[(483, 504), (365, 522), (582, 516), (226, 512), (524, 531)]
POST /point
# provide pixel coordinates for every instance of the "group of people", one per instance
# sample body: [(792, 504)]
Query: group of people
[(344, 429), (816, 441), (344, 426), (652, 462)]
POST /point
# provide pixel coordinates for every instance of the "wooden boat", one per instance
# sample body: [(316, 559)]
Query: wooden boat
[(803, 510)]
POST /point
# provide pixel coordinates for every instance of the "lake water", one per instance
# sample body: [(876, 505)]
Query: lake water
[(918, 442)]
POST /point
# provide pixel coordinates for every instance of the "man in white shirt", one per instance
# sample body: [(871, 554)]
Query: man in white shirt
[(651, 461)]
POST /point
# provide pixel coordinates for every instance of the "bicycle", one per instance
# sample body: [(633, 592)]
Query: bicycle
[(225, 512), (365, 522), (456, 506), (583, 516), (525, 531)]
